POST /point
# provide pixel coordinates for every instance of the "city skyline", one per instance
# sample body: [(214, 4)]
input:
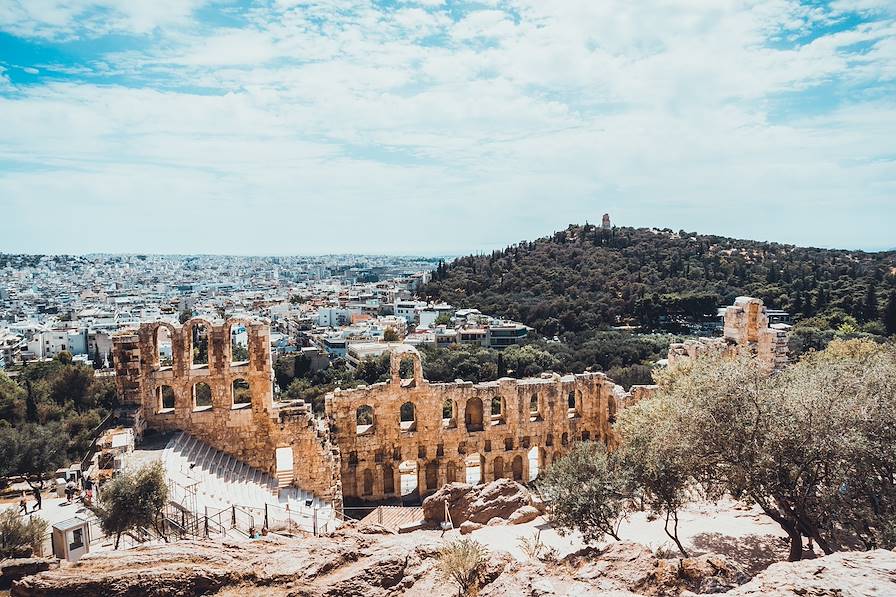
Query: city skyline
[(441, 128)]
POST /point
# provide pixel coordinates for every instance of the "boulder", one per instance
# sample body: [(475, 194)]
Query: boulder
[(468, 526), (478, 503), (16, 568), (851, 573), (496, 522), (524, 515)]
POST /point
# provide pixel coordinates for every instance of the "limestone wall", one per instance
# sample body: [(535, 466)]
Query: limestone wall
[(542, 414)]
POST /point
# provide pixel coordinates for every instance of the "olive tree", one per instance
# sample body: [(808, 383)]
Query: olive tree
[(133, 500), (19, 536), (814, 446), (586, 491)]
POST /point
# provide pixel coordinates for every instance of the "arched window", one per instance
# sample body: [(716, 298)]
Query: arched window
[(534, 408), (407, 471), (572, 409), (164, 347), (239, 344), (498, 468), (202, 396), (408, 420), (516, 467), (450, 472), (449, 419), (364, 419), (242, 393), (432, 475), (536, 462), (388, 479), (166, 398), (199, 344), (473, 414), (473, 469), (497, 411), (367, 488), (564, 439)]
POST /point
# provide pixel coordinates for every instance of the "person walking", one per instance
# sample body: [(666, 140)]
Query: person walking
[(38, 505), (23, 504)]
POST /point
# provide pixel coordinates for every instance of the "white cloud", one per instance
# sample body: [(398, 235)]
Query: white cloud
[(525, 113)]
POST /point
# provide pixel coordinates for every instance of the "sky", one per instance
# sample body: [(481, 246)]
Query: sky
[(441, 127)]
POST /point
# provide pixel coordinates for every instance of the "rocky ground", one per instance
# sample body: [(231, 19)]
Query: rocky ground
[(373, 562)]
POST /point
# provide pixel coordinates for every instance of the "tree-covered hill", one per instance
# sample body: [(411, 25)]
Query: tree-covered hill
[(585, 278)]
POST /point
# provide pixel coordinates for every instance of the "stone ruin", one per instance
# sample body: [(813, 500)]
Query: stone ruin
[(746, 331), (373, 440)]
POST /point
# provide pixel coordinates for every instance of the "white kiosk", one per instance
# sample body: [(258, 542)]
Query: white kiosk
[(71, 539)]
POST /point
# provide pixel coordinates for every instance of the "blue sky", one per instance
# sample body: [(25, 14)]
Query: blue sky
[(441, 127)]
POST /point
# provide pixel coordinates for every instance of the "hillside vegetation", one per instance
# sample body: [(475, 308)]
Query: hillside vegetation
[(585, 279)]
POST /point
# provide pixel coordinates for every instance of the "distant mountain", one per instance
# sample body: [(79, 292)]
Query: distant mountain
[(587, 278)]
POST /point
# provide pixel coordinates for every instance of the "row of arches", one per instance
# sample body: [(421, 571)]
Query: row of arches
[(474, 414), (412, 477), (197, 337), (201, 396)]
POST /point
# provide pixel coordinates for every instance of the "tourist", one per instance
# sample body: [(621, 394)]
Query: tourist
[(38, 505), (23, 504)]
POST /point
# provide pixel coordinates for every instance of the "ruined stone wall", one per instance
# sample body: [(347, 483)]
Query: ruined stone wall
[(746, 331), (251, 431), (547, 414)]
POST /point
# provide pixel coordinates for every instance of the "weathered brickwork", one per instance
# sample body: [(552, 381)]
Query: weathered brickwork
[(746, 331), (362, 445), (250, 431), (546, 414)]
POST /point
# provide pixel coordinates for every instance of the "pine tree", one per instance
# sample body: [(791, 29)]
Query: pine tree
[(890, 314), (870, 307)]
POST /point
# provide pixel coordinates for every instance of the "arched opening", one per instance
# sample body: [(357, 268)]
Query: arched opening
[(450, 472), (536, 462), (449, 419), (473, 414), (564, 439), (165, 395), (407, 472), (516, 466), (367, 486), (473, 469), (163, 347), (202, 396), (364, 420), (239, 344), (497, 411), (199, 344), (388, 479), (498, 468), (408, 417), (572, 409), (432, 475), (534, 408), (557, 457), (242, 393), (586, 436)]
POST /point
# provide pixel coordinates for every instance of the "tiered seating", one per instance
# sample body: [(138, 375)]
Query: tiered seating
[(221, 481)]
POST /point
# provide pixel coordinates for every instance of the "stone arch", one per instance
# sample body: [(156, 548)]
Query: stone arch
[(407, 471), (367, 482), (388, 479), (364, 419), (572, 404), (449, 414), (397, 357), (237, 348), (166, 398), (450, 472), (534, 407), (202, 396), (498, 468), (432, 475), (407, 417), (564, 439), (474, 466), (240, 393), (197, 342), (164, 345), (498, 410), (537, 459), (473, 414), (516, 468)]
